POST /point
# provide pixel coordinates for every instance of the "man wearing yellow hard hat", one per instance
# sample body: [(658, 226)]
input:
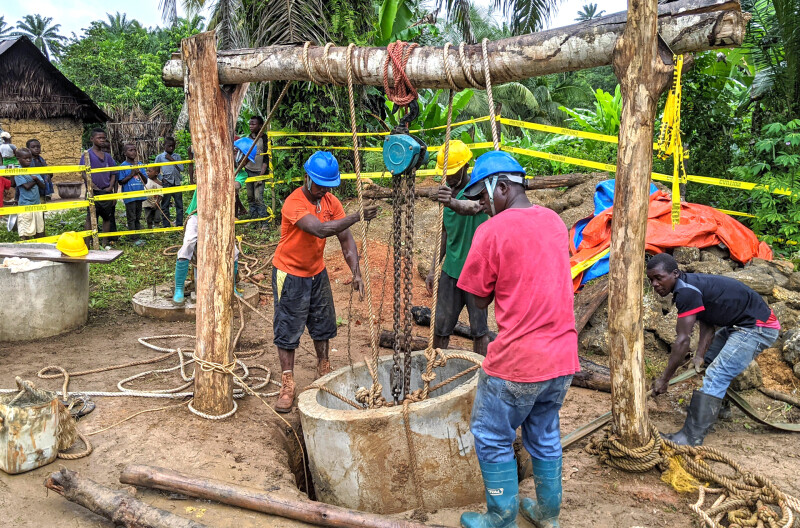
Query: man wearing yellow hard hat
[(461, 218)]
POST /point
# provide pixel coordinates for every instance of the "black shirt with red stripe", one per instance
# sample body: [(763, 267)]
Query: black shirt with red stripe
[(721, 301)]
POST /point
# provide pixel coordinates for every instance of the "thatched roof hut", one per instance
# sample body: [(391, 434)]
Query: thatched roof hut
[(38, 101)]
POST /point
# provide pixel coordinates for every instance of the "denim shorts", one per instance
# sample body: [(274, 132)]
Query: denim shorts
[(731, 351), (502, 406)]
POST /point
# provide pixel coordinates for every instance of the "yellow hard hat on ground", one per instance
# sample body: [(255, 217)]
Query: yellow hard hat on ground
[(458, 156), (71, 244)]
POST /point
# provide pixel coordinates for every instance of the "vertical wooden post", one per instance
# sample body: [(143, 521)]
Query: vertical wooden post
[(213, 156), (643, 76), (87, 180)]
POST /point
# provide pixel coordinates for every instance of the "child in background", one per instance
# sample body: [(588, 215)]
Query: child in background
[(152, 213), (38, 161), (133, 180), (29, 225)]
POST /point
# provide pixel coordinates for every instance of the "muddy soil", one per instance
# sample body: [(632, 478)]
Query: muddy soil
[(255, 448)]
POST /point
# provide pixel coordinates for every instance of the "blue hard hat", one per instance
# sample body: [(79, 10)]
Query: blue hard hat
[(323, 169), (493, 163)]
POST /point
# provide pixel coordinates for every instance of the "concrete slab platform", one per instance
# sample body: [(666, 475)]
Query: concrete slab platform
[(160, 305)]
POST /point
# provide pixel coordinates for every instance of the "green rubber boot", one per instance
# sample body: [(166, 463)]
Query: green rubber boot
[(543, 512), (235, 278), (502, 497), (181, 270)]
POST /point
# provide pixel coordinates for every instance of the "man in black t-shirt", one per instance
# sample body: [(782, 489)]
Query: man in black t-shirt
[(744, 323)]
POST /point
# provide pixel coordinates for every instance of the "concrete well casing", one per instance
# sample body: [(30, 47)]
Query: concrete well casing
[(360, 458), (43, 302)]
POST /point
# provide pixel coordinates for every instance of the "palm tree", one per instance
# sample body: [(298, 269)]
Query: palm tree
[(589, 12), (525, 16), (118, 24), (5, 29), (43, 35)]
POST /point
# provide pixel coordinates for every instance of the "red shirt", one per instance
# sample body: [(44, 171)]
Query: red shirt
[(522, 255), (300, 253), (5, 183)]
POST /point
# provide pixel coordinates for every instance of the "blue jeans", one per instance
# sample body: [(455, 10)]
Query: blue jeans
[(501, 406), (731, 351)]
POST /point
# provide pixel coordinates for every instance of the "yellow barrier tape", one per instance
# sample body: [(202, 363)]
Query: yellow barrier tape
[(118, 168), (51, 239), (4, 211), (56, 169), (146, 192), (579, 268), (324, 147), (669, 140), (562, 159), (140, 231), (280, 133), (263, 219), (559, 130), (736, 213)]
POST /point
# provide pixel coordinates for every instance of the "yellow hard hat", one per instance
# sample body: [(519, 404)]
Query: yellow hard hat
[(71, 244), (458, 156)]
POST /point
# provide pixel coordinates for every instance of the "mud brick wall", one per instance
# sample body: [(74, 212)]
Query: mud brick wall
[(60, 139)]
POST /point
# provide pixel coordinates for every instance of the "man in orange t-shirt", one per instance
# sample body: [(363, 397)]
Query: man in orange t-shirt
[(300, 285)]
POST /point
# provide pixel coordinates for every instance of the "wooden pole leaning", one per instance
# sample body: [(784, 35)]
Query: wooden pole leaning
[(643, 69), (213, 155)]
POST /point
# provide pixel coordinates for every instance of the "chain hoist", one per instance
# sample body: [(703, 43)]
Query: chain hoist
[(403, 154)]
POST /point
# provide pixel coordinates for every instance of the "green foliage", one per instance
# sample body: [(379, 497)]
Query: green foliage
[(432, 112), (775, 163), (122, 67), (604, 119), (5, 29), (563, 146), (398, 20), (588, 12), (44, 35)]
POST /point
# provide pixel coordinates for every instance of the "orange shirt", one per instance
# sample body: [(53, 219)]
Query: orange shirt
[(300, 253)]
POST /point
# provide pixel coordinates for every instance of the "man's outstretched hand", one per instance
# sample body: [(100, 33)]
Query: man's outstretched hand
[(370, 212), (358, 285)]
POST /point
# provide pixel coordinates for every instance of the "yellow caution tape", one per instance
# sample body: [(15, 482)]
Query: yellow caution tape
[(263, 219), (4, 211), (51, 239), (669, 140), (140, 231), (325, 147), (281, 133), (579, 268), (562, 159), (118, 168), (146, 192), (56, 169), (559, 130)]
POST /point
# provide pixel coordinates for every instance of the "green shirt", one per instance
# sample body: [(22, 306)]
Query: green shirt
[(240, 177), (460, 230)]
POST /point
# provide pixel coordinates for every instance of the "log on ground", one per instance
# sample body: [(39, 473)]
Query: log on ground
[(304, 510), (117, 506)]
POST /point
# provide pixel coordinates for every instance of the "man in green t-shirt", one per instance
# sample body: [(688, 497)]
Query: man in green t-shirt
[(461, 218)]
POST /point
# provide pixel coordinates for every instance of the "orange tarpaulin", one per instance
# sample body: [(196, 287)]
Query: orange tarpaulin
[(701, 226)]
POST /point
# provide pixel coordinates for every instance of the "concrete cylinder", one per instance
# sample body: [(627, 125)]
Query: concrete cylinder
[(43, 302), (360, 458)]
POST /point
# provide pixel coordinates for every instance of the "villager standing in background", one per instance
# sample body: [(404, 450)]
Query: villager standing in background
[(256, 167), (7, 149), (101, 182), (38, 161), (529, 366), (171, 176)]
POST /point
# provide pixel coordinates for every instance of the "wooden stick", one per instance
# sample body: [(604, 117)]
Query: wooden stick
[(780, 396), (643, 72), (213, 155), (588, 301), (117, 506), (305, 510), (686, 25)]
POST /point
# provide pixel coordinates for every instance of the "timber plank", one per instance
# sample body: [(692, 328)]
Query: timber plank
[(54, 255)]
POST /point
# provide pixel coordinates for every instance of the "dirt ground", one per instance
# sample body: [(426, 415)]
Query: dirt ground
[(255, 449)]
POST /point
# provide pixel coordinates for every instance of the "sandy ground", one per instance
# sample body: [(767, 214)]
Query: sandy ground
[(254, 448)]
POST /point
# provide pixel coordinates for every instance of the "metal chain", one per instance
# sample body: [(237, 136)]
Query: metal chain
[(397, 218), (408, 276)]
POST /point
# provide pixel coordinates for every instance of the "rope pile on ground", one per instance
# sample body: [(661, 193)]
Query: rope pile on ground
[(745, 498)]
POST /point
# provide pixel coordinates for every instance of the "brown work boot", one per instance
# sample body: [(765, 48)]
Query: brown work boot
[(323, 367), (286, 396)]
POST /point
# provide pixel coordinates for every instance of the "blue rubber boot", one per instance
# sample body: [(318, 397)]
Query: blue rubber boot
[(502, 497), (181, 270), (235, 277), (543, 512)]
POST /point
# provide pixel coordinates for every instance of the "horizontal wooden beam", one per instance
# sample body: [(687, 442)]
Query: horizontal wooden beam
[(686, 26)]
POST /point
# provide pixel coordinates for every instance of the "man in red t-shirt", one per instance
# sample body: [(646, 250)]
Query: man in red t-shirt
[(300, 285), (529, 367)]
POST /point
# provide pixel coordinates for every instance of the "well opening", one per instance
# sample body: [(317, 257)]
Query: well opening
[(346, 381)]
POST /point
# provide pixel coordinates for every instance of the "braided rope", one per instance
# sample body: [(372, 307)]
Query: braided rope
[(466, 67), (447, 71), (307, 64), (488, 77), (328, 64), (376, 390), (397, 54)]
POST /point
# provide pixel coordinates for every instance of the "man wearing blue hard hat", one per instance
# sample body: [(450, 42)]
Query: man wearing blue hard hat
[(300, 285), (529, 367)]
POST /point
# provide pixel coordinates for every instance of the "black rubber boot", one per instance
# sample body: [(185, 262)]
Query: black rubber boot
[(703, 412), (725, 412)]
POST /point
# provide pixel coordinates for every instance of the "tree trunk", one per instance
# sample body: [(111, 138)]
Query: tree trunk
[(309, 511), (213, 155), (592, 376), (639, 63), (686, 25), (119, 507)]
